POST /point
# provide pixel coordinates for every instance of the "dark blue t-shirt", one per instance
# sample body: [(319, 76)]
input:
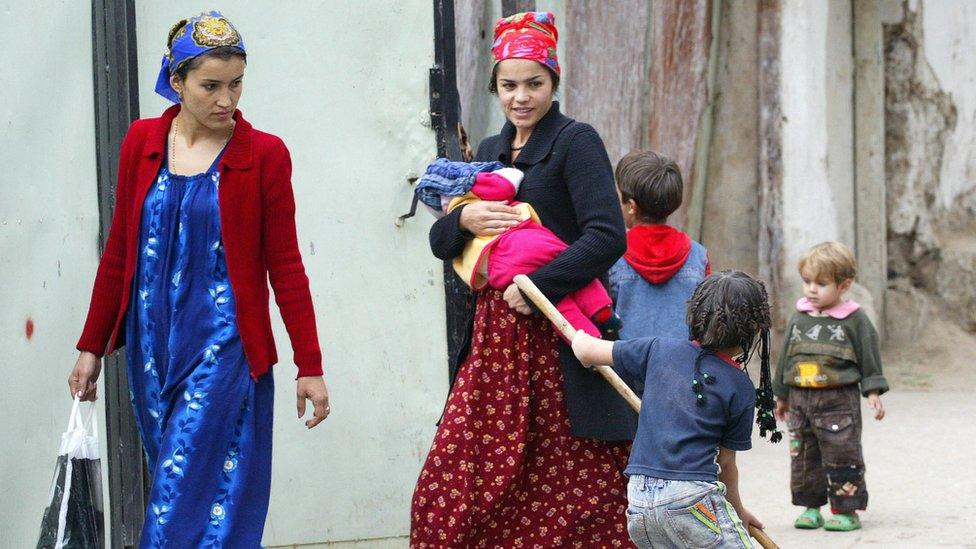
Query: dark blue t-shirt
[(676, 438)]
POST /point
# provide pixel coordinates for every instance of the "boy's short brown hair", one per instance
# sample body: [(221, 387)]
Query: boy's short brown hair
[(652, 181), (830, 259)]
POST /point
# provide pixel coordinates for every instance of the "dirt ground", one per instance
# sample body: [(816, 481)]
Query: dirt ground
[(922, 491), (942, 358)]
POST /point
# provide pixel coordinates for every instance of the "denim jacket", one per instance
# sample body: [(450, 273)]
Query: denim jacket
[(656, 310)]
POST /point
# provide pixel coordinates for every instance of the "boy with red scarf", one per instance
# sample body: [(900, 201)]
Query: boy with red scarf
[(652, 282)]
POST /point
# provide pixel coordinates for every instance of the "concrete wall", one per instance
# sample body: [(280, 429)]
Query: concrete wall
[(948, 42), (48, 242), (816, 84), (931, 168), (838, 60)]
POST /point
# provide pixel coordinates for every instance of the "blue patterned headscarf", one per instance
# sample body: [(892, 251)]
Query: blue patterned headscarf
[(190, 38)]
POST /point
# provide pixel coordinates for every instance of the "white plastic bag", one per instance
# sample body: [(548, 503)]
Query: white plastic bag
[(73, 518)]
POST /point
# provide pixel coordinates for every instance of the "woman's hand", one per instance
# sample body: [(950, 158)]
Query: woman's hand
[(84, 376), (485, 218), (313, 388), (515, 300)]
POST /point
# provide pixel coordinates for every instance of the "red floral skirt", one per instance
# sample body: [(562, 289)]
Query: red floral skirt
[(503, 470)]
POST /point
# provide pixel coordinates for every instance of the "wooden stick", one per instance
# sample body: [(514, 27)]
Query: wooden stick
[(762, 538), (568, 332)]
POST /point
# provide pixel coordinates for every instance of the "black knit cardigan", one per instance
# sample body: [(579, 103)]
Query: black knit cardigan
[(569, 182)]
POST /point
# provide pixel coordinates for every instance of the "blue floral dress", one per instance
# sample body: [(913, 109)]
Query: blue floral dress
[(205, 424)]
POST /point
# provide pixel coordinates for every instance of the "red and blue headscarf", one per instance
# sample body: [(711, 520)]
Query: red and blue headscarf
[(191, 38), (528, 35)]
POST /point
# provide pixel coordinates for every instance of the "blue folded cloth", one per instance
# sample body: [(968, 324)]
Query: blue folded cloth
[(449, 178)]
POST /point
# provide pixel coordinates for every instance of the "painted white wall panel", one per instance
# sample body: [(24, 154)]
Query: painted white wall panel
[(816, 85), (948, 45), (48, 242)]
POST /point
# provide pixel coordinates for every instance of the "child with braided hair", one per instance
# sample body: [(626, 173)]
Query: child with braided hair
[(696, 413), (830, 358)]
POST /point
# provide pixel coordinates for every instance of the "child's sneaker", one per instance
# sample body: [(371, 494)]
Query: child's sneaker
[(843, 522), (811, 519), (608, 323)]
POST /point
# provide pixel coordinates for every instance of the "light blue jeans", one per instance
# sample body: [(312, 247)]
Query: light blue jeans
[(682, 513)]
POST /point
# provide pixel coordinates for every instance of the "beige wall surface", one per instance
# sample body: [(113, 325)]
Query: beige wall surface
[(948, 45), (48, 242), (931, 166), (817, 192), (346, 89)]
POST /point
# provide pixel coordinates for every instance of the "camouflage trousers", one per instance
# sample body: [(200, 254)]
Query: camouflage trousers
[(825, 448)]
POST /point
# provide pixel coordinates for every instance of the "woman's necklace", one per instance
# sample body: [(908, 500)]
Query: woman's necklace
[(172, 145)]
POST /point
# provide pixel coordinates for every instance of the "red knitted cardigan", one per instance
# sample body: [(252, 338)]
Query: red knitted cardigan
[(257, 216)]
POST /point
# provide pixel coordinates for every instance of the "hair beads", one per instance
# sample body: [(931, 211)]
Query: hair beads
[(730, 309)]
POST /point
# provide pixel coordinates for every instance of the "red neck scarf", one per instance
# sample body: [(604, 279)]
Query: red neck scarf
[(657, 252)]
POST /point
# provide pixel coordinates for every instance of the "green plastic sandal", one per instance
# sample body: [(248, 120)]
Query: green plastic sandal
[(843, 523), (811, 519)]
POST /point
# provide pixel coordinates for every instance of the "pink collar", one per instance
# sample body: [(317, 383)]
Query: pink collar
[(840, 311)]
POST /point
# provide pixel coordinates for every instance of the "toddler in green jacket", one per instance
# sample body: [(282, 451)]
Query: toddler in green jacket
[(830, 357)]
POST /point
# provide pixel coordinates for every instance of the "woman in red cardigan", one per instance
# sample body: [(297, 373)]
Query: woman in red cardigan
[(204, 216)]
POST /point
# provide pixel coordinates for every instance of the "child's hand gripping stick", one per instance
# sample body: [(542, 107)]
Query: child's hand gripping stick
[(568, 332)]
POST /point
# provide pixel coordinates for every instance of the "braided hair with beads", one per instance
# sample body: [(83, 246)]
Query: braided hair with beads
[(731, 309)]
